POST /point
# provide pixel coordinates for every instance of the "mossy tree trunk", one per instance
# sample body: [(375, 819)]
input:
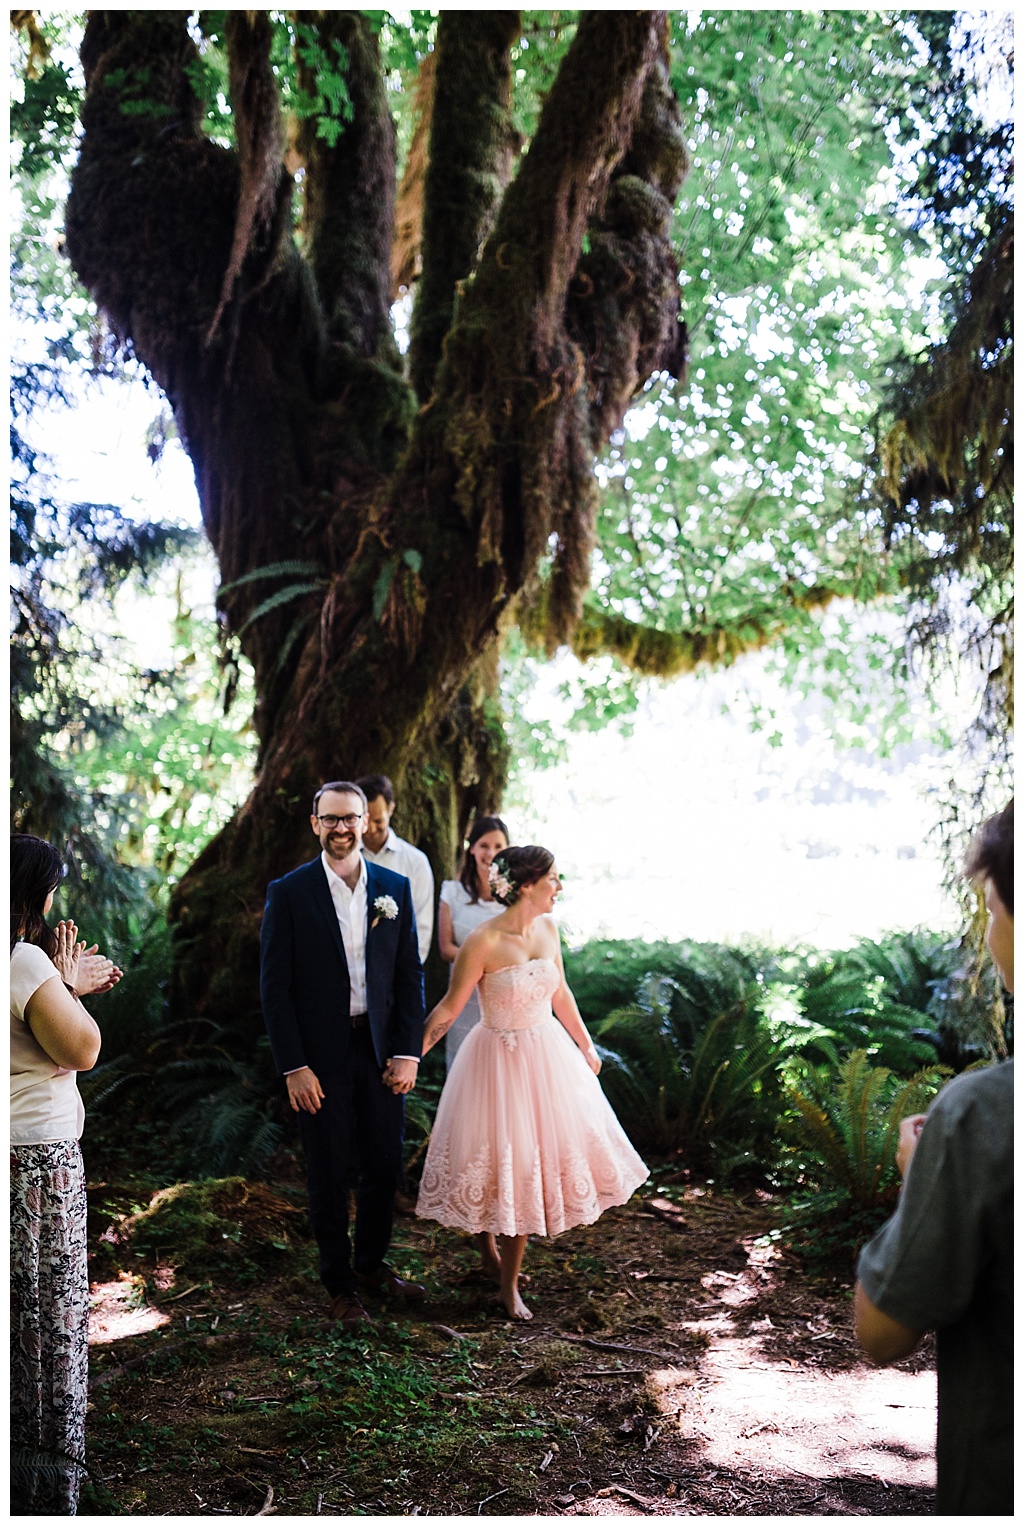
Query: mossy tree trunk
[(406, 519)]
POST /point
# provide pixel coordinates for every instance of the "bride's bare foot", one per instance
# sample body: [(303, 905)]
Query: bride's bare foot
[(514, 1305), (489, 1260)]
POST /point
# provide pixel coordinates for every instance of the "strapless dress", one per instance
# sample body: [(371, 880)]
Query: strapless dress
[(524, 1141)]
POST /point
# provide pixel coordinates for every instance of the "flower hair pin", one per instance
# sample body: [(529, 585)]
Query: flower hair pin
[(501, 886), (386, 907)]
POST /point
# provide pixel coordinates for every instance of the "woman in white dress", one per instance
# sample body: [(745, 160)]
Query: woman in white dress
[(465, 903), (524, 1141)]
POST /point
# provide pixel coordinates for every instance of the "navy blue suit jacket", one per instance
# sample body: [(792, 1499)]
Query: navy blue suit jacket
[(304, 983)]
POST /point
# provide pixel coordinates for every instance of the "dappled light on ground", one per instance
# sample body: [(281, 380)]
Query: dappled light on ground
[(678, 1363), (118, 1310)]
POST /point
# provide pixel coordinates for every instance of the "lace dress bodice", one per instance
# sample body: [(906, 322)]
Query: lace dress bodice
[(519, 995)]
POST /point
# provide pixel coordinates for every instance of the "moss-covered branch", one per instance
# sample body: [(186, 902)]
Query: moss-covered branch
[(951, 430), (667, 654), (469, 164)]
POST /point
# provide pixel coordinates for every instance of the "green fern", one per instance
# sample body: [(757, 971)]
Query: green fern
[(845, 1129), (850, 1122), (218, 1113), (680, 1080)]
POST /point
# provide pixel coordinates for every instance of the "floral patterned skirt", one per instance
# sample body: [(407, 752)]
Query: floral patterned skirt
[(49, 1327)]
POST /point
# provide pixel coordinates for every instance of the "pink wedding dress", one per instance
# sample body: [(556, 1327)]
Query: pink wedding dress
[(524, 1141)]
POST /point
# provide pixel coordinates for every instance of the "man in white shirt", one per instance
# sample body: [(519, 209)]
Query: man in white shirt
[(341, 986), (382, 845)]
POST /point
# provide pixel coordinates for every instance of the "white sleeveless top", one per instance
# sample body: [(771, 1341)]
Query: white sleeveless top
[(45, 1101)]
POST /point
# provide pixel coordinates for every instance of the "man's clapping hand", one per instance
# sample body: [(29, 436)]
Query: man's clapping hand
[(910, 1129), (304, 1091), (400, 1075)]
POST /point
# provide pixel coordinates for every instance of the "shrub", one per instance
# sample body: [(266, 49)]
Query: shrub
[(691, 1067), (845, 1128), (216, 1113), (606, 974), (876, 997)]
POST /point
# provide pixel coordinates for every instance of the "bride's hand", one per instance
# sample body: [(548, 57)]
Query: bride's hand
[(593, 1059)]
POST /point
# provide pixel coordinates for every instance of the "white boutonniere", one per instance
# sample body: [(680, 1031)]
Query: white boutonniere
[(385, 906)]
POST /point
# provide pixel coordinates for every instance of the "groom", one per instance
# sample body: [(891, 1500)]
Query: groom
[(342, 991)]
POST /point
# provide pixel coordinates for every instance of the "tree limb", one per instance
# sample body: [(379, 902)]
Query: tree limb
[(658, 653), (260, 140), (350, 186), (469, 165)]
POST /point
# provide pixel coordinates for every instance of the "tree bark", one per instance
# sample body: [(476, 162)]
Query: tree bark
[(399, 543)]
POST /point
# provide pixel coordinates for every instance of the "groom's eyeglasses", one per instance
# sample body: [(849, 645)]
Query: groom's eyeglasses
[(348, 822)]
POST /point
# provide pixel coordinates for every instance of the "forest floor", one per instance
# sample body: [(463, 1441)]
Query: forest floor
[(678, 1363)]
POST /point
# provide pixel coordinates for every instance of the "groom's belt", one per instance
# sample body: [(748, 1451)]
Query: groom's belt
[(359, 1019)]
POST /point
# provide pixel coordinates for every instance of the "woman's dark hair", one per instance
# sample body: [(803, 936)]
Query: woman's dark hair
[(467, 874), (520, 867), (990, 855), (36, 869)]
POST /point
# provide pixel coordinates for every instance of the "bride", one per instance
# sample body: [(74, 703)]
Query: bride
[(524, 1141)]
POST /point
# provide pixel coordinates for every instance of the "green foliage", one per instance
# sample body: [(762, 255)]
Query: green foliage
[(877, 997), (845, 1131), (607, 973), (690, 1068), (218, 1112), (330, 103), (226, 1230)]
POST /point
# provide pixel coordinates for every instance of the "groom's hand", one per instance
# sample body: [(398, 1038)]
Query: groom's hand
[(400, 1075), (304, 1090)]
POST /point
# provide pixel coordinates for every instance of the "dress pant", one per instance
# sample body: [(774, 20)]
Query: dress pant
[(356, 1137)]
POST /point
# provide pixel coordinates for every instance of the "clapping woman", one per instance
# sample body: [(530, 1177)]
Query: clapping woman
[(52, 1037)]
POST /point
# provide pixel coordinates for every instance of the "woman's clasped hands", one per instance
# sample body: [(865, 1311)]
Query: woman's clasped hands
[(85, 970)]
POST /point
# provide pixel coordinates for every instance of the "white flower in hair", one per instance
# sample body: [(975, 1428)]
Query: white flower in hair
[(385, 906), (501, 886)]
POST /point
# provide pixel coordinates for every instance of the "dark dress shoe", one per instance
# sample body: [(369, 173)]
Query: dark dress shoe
[(347, 1310), (384, 1280)]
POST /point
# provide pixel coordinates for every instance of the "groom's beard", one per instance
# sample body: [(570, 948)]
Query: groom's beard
[(340, 844)]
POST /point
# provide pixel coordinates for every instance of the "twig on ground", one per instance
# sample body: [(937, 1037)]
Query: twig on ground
[(583, 1340), (267, 1508), (184, 1294)]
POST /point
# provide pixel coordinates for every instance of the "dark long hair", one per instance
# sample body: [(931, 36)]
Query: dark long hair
[(36, 869), (467, 874)]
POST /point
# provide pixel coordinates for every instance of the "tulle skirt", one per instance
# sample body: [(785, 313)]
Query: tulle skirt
[(524, 1141)]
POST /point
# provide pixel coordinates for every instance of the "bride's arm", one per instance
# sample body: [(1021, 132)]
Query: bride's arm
[(466, 973), (563, 1004)]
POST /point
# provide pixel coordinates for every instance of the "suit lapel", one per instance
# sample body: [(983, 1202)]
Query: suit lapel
[(321, 894), (372, 891)]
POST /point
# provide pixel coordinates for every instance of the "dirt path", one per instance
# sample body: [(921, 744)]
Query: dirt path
[(677, 1364)]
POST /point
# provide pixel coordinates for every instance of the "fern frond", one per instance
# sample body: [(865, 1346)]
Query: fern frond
[(276, 570)]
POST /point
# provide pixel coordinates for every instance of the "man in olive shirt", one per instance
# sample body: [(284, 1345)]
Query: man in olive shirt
[(944, 1261)]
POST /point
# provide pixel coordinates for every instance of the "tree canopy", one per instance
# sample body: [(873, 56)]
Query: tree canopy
[(457, 346)]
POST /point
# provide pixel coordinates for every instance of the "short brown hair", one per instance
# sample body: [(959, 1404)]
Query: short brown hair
[(378, 787), (343, 787), (990, 855)]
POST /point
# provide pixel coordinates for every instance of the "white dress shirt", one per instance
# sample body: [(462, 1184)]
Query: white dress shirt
[(350, 909), (401, 857)]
